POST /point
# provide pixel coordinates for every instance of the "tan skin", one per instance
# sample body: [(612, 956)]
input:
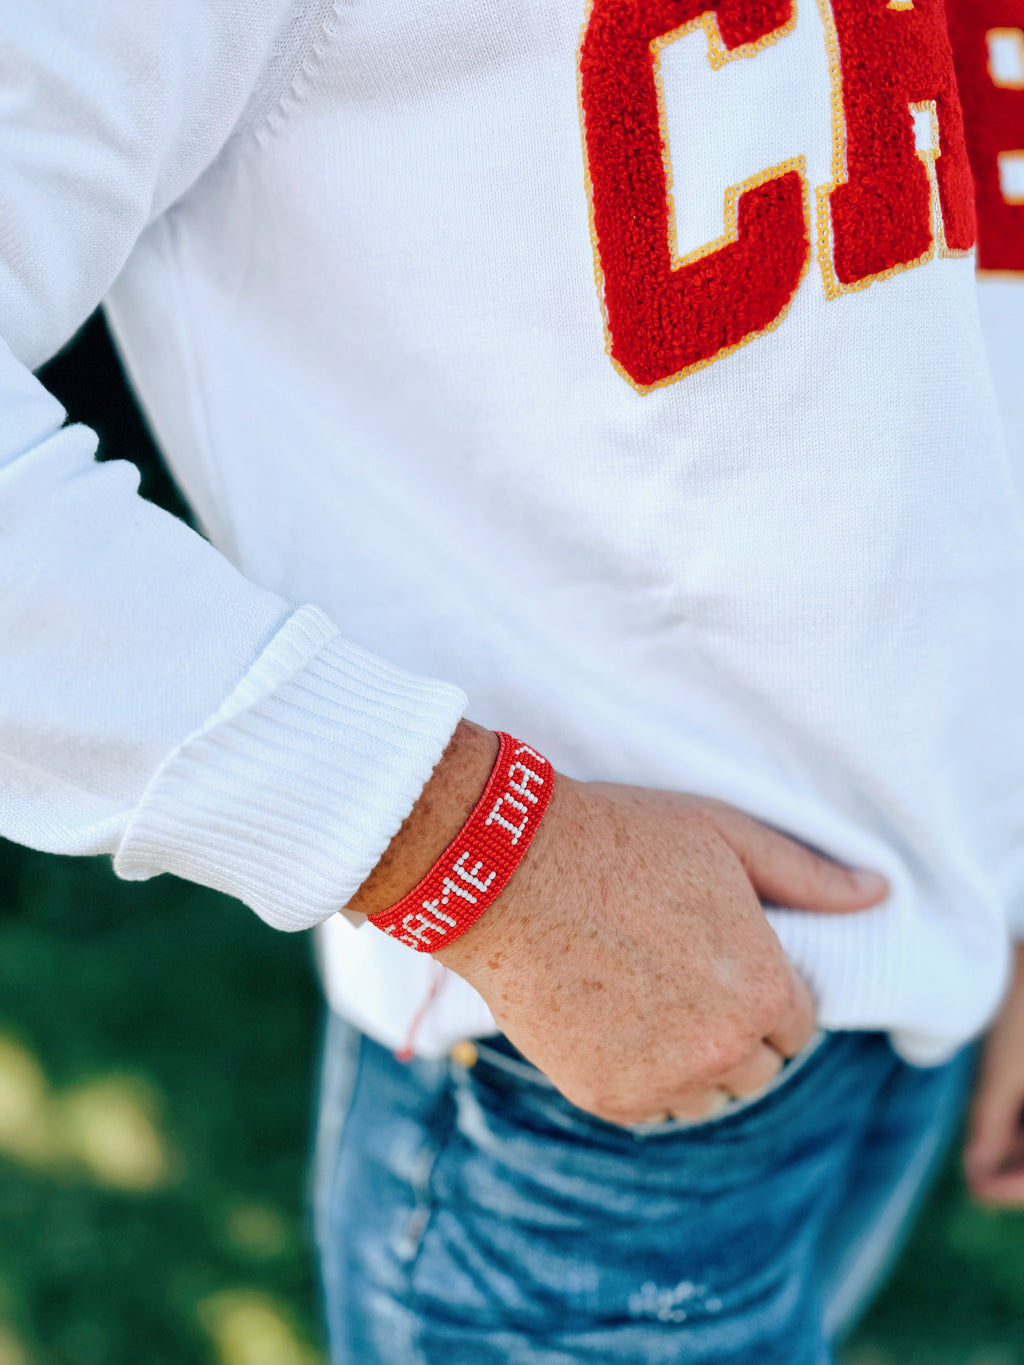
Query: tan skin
[(994, 1157), (629, 957)]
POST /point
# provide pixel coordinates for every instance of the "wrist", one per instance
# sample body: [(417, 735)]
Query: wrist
[(510, 926), (477, 864), (441, 810)]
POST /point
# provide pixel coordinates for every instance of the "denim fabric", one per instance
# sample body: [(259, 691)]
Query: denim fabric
[(475, 1217)]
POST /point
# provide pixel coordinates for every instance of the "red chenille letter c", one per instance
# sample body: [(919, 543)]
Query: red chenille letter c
[(666, 317)]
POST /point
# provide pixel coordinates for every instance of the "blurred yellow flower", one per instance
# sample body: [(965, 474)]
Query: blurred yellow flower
[(249, 1328), (25, 1128), (12, 1352), (107, 1126)]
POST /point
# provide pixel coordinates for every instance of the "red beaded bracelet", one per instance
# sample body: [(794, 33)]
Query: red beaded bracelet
[(476, 866)]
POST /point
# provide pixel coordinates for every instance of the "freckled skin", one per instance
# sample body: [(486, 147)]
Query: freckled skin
[(629, 956)]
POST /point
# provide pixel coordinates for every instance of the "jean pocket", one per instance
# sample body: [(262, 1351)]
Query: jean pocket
[(536, 1208), (500, 1066)]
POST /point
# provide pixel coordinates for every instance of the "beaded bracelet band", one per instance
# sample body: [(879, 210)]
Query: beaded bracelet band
[(476, 866)]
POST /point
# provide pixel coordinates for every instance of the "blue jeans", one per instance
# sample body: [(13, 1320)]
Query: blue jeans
[(472, 1216)]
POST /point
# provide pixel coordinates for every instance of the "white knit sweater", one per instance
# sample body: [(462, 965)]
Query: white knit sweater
[(346, 249)]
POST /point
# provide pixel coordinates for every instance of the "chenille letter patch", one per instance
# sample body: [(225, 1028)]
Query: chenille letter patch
[(899, 192)]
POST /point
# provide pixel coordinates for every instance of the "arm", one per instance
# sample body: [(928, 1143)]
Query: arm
[(155, 705)]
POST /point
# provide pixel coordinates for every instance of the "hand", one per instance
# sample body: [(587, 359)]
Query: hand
[(994, 1156), (629, 957)]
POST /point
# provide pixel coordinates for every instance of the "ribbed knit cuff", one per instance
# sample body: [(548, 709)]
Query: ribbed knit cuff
[(290, 793)]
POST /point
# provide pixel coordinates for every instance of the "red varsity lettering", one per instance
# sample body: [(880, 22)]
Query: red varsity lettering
[(900, 190), (665, 317), (895, 62), (988, 48)]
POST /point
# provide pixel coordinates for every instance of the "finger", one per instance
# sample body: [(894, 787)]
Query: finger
[(1001, 1191), (754, 1074), (796, 1025), (694, 1107), (701, 1107), (790, 874), (995, 1141)]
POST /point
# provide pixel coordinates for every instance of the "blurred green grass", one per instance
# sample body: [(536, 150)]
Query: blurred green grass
[(157, 1054), (157, 1048), (191, 1246), (956, 1296)]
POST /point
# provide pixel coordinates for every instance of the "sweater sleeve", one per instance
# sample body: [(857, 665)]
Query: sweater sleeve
[(155, 705)]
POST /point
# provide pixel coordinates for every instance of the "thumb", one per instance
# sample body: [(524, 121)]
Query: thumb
[(790, 874)]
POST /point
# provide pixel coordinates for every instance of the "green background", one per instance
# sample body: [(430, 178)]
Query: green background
[(157, 1054)]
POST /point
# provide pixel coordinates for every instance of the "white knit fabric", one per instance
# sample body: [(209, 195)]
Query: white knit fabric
[(154, 704), (346, 251), (1001, 300)]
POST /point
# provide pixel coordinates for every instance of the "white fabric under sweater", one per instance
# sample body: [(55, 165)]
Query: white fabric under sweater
[(346, 251), (1001, 299)]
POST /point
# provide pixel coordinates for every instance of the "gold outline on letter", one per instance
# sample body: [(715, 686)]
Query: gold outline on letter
[(731, 234), (929, 157), (833, 287), (718, 55)]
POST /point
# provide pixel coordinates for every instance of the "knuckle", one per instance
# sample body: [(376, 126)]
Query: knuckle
[(761, 1074), (725, 1052)]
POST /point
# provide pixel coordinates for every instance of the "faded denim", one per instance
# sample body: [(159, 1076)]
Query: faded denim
[(475, 1217)]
